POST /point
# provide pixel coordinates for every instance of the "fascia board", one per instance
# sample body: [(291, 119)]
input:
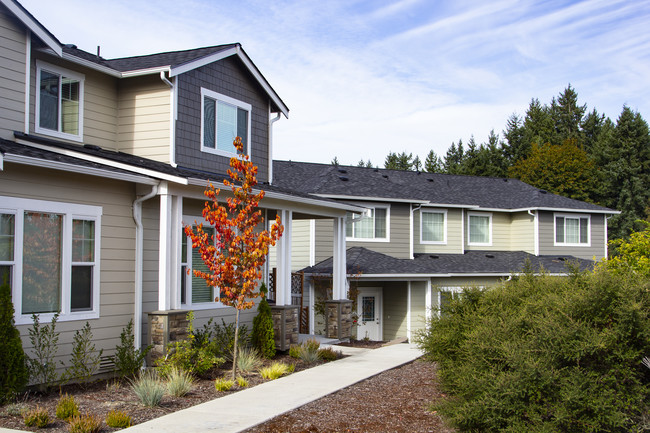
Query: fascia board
[(34, 26), (194, 64), (446, 275), (115, 164), (92, 65), (375, 199), (92, 171), (525, 209)]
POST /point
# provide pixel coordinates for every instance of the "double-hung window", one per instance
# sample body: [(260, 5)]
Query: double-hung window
[(223, 119), (572, 230), (49, 253), (59, 102), (479, 228), (195, 292), (433, 226), (445, 296), (371, 226)]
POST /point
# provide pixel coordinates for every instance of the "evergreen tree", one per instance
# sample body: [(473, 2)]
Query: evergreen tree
[(263, 335), (538, 124), (335, 161), (13, 367), (516, 146), (567, 117), (454, 158), (362, 163), (417, 164), (433, 163), (399, 162)]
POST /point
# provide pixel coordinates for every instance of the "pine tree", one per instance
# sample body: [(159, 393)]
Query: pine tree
[(433, 163), (13, 366), (399, 162), (263, 335)]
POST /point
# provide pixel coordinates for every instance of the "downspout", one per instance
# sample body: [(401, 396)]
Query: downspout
[(271, 122), (172, 120), (139, 240)]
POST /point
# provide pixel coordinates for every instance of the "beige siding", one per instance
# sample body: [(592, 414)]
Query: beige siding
[(500, 233), (522, 232), (300, 246), (547, 238), (12, 74), (418, 307), (394, 310), (117, 277), (454, 243), (324, 243), (144, 117)]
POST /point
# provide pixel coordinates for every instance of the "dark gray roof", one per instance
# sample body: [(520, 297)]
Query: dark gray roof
[(171, 58), (360, 261), (445, 189)]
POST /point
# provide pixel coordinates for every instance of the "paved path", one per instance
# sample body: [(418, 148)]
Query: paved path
[(247, 408)]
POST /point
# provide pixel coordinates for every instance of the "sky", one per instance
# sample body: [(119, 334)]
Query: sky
[(363, 78)]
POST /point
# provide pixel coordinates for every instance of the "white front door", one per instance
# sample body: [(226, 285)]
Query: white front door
[(369, 311)]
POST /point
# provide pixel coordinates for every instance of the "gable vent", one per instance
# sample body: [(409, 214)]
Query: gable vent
[(385, 176), (343, 178), (342, 171), (433, 256), (429, 180), (489, 256), (543, 191)]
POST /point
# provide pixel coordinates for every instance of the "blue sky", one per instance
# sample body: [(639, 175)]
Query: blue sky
[(363, 78)]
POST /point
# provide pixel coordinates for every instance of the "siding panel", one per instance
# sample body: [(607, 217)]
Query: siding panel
[(547, 238), (12, 74)]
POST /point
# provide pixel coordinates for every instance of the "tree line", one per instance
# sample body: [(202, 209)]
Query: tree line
[(562, 148)]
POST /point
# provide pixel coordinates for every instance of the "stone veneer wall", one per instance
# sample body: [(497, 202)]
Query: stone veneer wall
[(285, 325), (165, 327), (339, 318)]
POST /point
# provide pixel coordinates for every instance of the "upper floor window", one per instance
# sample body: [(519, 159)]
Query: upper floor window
[(572, 229), (49, 252), (223, 119), (479, 228), (433, 226), (59, 102), (372, 227)]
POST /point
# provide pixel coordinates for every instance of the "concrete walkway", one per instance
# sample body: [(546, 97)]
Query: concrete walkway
[(247, 408)]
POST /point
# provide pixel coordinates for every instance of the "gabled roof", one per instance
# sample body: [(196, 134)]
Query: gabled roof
[(364, 262), (373, 184), (33, 25)]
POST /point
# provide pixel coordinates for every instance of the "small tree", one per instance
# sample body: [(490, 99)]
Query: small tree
[(12, 357), (235, 254), (263, 334)]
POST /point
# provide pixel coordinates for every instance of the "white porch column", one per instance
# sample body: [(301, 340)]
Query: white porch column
[(427, 301), (338, 261), (283, 276), (174, 265), (408, 310), (171, 209)]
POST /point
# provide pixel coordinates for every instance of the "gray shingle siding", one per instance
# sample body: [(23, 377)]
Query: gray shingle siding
[(597, 237), (228, 77)]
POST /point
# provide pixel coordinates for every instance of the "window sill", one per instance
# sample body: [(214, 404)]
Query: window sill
[(57, 134), (204, 306), (45, 318)]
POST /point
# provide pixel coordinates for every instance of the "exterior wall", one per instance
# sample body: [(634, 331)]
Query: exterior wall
[(228, 77), (117, 278), (324, 242), (500, 233), (547, 238), (12, 74), (418, 307), (454, 243), (144, 120), (99, 99), (522, 232), (394, 310), (300, 246)]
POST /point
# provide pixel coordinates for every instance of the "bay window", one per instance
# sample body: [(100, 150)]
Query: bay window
[(224, 118), (572, 230)]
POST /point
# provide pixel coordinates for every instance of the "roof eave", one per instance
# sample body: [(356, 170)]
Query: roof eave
[(34, 26)]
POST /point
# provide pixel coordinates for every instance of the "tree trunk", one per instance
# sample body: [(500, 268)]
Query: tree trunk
[(235, 349)]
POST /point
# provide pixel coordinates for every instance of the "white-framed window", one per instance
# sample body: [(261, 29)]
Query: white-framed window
[(373, 226), (49, 251), (59, 102), (433, 226), (222, 119), (195, 292), (479, 228), (572, 230), (445, 295)]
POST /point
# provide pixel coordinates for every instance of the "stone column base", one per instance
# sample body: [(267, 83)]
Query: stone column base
[(285, 325), (165, 327), (339, 318)]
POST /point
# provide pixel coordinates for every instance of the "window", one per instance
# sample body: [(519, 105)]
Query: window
[(445, 296), (59, 102), (572, 230), (480, 228), (49, 251), (223, 119), (433, 227), (368, 228), (194, 289)]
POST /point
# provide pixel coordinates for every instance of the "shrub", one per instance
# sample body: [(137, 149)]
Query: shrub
[(242, 382), (66, 408), (12, 357), (149, 388), (222, 384), (179, 382), (294, 351), (329, 354), (36, 418), (545, 354), (248, 359), (117, 419), (128, 359), (85, 360), (276, 370), (15, 409), (45, 343), (307, 351), (85, 424), (224, 338), (263, 335)]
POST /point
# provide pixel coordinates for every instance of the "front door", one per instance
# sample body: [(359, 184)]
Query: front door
[(369, 311)]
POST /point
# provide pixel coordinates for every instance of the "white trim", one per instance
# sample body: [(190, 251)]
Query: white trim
[(408, 310), (69, 212), (444, 233), (411, 231), (536, 232), (34, 26), (194, 64), (382, 199), (469, 237), (40, 66), (377, 292), (219, 97), (91, 65), (454, 290), (28, 76), (462, 231), (427, 301), (372, 207), (424, 277), (115, 164), (572, 216), (312, 242)]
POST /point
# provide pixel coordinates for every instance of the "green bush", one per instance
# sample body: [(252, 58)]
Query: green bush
[(248, 359), (263, 335), (545, 354), (224, 338), (12, 357), (179, 382), (128, 359), (45, 344), (222, 384), (117, 419), (148, 388), (276, 370), (328, 354), (66, 408), (85, 360)]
